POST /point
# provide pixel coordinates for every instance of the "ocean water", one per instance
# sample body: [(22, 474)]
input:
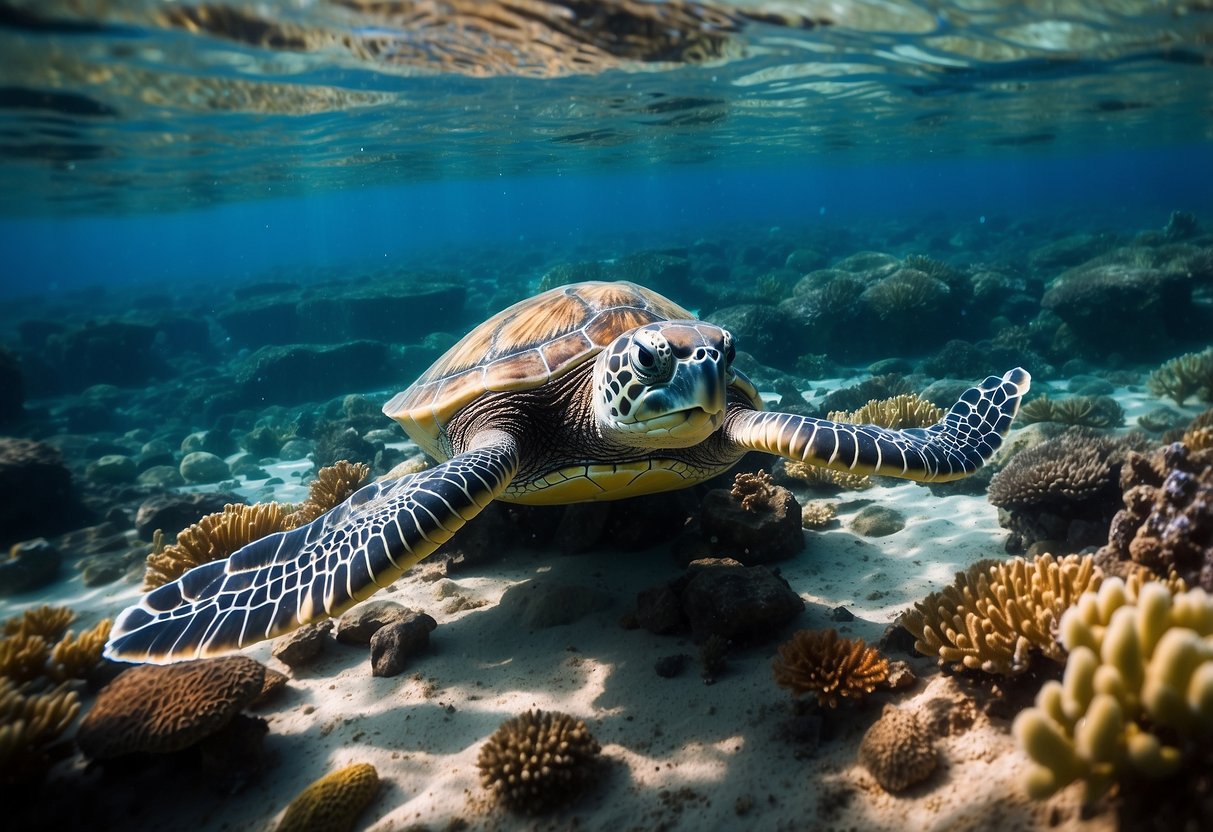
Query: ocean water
[(239, 229)]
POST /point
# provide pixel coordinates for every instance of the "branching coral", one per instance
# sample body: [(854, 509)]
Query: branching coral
[(29, 724), (46, 621), (1188, 375), (214, 537), (833, 668), (1085, 411), (23, 657), (995, 614), (754, 491), (74, 657), (898, 750), (1136, 694), (333, 485), (332, 803), (1167, 520), (907, 410), (817, 477), (538, 761)]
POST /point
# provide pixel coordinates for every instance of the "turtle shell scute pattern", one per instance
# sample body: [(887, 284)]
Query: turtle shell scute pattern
[(527, 345)]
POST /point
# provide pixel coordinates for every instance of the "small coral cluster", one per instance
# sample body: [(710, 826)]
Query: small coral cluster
[(817, 514), (1181, 378), (831, 667), (219, 535), (332, 803), (1166, 524), (1137, 693), (538, 761), (816, 476), (995, 615), (754, 491), (898, 750), (907, 410), (1084, 411)]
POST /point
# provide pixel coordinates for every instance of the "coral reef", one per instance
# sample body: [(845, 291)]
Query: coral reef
[(46, 621), (30, 723), (75, 657), (214, 537), (1084, 411), (332, 803), (1063, 490), (163, 708), (333, 485), (754, 491), (906, 410), (1167, 520), (1181, 378), (832, 668), (538, 761), (814, 476), (996, 614), (23, 657), (1137, 693), (898, 750), (817, 515)]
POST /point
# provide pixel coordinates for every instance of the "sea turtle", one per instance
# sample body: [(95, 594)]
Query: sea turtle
[(594, 391)]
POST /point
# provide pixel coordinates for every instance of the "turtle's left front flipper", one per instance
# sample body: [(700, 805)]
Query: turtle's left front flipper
[(285, 580), (954, 447)]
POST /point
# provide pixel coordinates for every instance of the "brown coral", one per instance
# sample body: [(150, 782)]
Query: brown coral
[(46, 621), (214, 537), (1180, 378), (538, 761), (898, 750), (74, 657), (158, 709), (833, 668), (333, 485), (23, 657), (754, 491), (332, 803), (1167, 520), (29, 724), (996, 614), (907, 410)]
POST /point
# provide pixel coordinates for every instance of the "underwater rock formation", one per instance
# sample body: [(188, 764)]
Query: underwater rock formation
[(898, 750), (163, 708), (1064, 489), (303, 646), (332, 803), (394, 644), (1166, 524), (36, 495), (754, 522), (828, 666), (300, 373), (29, 565), (996, 615), (12, 388), (538, 761), (1137, 694)]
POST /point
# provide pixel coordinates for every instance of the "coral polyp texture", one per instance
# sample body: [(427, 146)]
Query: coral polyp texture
[(831, 667), (754, 491), (817, 515), (1182, 378), (30, 723), (1137, 693), (333, 485), (538, 761), (898, 750), (907, 410), (1166, 524), (214, 537), (164, 708), (332, 803), (995, 616)]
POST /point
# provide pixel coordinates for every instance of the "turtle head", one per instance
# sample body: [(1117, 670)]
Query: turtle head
[(664, 385)]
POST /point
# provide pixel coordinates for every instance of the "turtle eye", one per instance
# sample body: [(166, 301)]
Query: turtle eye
[(651, 359), (730, 351)]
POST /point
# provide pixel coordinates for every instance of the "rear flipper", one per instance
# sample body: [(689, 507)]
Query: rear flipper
[(954, 447), (285, 580)]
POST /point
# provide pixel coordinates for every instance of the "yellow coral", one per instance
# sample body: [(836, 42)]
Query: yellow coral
[(1188, 375), (1136, 665), (816, 476), (332, 803), (833, 668), (333, 485), (817, 514), (23, 657), (995, 613), (907, 410), (214, 537), (46, 621), (29, 723), (74, 657)]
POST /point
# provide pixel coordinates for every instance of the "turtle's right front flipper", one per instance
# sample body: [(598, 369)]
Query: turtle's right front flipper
[(285, 580)]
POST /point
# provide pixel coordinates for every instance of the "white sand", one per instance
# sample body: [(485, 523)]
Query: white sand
[(680, 754)]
